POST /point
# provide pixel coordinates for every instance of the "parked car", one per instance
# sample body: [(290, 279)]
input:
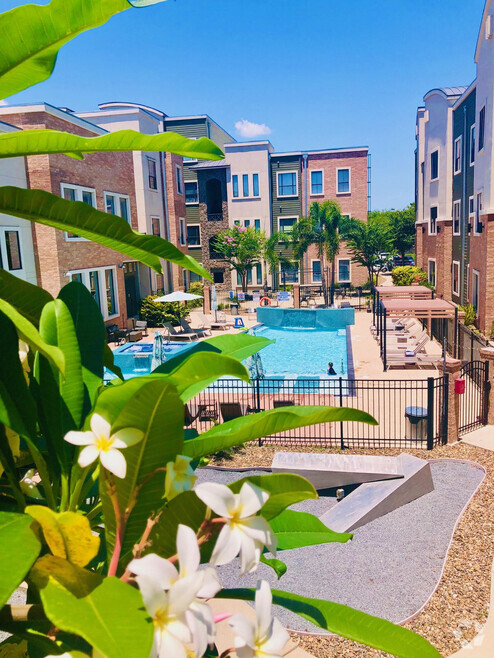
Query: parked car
[(398, 261), (384, 264)]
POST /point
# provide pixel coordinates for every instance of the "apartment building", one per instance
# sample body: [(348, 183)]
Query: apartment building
[(104, 181), (454, 184), (16, 239)]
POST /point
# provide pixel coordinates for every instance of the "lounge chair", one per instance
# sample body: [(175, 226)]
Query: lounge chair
[(178, 335), (411, 340), (220, 323), (283, 403), (416, 347), (199, 331), (192, 413), (232, 410)]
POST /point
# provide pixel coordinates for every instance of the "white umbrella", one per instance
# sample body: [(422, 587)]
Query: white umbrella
[(177, 296)]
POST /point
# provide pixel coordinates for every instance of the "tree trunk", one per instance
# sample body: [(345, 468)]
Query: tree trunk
[(243, 279), (333, 268)]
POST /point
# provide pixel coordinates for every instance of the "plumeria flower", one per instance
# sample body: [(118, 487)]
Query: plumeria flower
[(23, 357), (154, 572), (100, 442), (266, 638), (243, 532), (179, 476)]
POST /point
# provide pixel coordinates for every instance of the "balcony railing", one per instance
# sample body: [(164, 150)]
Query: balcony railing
[(215, 217)]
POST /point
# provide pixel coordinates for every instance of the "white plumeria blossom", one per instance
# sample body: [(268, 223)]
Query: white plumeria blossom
[(243, 532), (266, 638), (179, 476), (155, 575), (100, 442)]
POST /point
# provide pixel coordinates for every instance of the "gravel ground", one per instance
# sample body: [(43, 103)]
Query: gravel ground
[(459, 606)]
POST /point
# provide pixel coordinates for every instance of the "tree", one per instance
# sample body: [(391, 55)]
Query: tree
[(366, 240), (273, 256), (241, 248), (403, 227), (320, 228)]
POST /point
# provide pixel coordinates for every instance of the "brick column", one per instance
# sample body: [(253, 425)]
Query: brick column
[(487, 354), (207, 300), (452, 369), (296, 295)]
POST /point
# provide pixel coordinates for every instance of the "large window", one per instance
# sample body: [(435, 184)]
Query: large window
[(431, 271), (457, 155), (289, 275), (193, 235), (10, 249), (316, 182), (456, 217), (456, 277), (191, 193), (286, 224), (481, 128), (102, 284), (181, 225), (180, 181), (344, 270), (235, 185), (343, 186), (152, 179), (433, 221), (434, 165), (245, 184), (478, 213), (255, 184), (77, 193), (155, 225), (117, 204), (316, 271), (287, 183), (472, 145)]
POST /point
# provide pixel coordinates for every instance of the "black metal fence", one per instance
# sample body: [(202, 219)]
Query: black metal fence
[(410, 413), (474, 401), (469, 343)]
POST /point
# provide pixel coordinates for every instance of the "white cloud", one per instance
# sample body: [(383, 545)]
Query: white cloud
[(2, 103), (249, 129)]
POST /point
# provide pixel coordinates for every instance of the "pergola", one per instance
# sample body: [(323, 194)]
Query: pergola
[(399, 292), (421, 309)]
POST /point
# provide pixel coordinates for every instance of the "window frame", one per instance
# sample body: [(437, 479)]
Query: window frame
[(19, 272), (179, 180), (429, 261), (475, 277), (193, 246), (481, 135), (436, 177), (349, 260), (155, 217), (196, 184), (255, 183), (235, 190), (85, 276), (182, 232), (293, 269), (456, 263), (478, 210), (79, 189), (316, 171), (457, 204), (349, 191), (459, 141), (118, 196), (315, 260), (282, 173), (155, 177), (433, 232), (257, 225), (294, 217), (472, 145), (245, 186)]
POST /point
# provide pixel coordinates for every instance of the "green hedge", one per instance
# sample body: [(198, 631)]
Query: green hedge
[(407, 275)]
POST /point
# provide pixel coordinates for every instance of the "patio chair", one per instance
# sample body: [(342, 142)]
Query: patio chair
[(283, 403), (411, 340), (116, 335), (141, 325), (192, 413), (178, 335), (219, 324), (199, 331), (416, 360), (232, 410), (419, 346)]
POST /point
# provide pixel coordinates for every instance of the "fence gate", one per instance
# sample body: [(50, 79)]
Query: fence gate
[(474, 402)]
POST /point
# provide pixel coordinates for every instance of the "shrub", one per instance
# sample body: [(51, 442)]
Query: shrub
[(157, 313), (470, 314), (196, 288), (407, 275)]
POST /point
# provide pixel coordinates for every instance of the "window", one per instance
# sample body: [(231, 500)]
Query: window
[(456, 277), (431, 272), (246, 223), (434, 165), (152, 180), (289, 275), (344, 270), (475, 289), (286, 224), (316, 182), (180, 182), (481, 129), (343, 181), (10, 249), (181, 237), (193, 235), (191, 192), (433, 221), (457, 155), (77, 193), (478, 213), (257, 224), (218, 276), (456, 217), (245, 185), (249, 277), (316, 271), (117, 204), (102, 284), (214, 253), (287, 183), (258, 274), (255, 184), (237, 222), (235, 185), (155, 226), (472, 145)]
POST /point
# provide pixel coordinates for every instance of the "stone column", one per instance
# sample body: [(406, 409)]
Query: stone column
[(487, 354), (296, 295), (206, 306), (452, 369)]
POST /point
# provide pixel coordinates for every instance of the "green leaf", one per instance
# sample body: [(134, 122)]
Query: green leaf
[(101, 227), (31, 36), (157, 410), (91, 335), (17, 408), (40, 141), (297, 529), (186, 508), (278, 566), (106, 612), (19, 548), (347, 622), (23, 296), (273, 421), (109, 362), (28, 332)]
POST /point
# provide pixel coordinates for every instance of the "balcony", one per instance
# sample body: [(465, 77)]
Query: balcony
[(215, 217)]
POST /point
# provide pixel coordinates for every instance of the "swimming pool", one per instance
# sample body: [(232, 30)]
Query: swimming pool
[(134, 359)]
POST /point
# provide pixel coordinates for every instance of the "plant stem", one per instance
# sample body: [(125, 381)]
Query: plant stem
[(93, 512), (76, 493), (44, 474), (141, 546), (119, 524), (8, 464), (64, 502)]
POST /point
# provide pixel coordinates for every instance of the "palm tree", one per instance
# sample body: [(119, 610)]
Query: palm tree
[(273, 256), (320, 228)]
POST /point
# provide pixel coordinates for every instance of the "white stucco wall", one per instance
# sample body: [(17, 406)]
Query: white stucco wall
[(13, 172)]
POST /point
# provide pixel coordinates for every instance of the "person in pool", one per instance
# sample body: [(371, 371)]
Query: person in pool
[(331, 370)]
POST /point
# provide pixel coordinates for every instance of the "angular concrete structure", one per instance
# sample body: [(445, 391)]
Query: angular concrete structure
[(330, 471), (374, 499)]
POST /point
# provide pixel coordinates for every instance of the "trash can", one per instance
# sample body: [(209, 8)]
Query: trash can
[(416, 425), (234, 309)]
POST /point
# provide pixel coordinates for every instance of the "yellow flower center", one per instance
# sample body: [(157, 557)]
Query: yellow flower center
[(103, 443)]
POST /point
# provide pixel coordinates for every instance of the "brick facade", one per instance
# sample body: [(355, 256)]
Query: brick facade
[(176, 211), (481, 259)]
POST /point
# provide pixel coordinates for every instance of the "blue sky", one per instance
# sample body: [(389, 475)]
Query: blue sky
[(318, 73)]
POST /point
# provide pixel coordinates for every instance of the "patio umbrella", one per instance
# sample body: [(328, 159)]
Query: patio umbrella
[(254, 366), (214, 303), (158, 351), (177, 296)]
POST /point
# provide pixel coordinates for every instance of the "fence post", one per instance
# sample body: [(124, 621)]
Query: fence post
[(451, 368), (342, 440), (430, 413), (296, 295), (487, 354), (207, 300)]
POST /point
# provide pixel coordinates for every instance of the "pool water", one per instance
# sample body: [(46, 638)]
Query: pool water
[(304, 351), (135, 359)]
